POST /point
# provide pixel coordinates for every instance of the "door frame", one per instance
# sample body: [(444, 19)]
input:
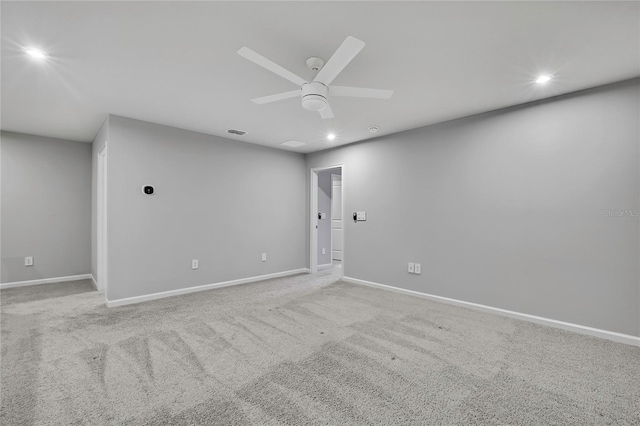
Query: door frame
[(341, 214), (313, 216), (102, 252)]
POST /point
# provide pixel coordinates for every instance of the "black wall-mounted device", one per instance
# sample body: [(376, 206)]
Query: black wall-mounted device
[(148, 190)]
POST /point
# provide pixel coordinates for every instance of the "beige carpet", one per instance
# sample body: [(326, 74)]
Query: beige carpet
[(301, 350)]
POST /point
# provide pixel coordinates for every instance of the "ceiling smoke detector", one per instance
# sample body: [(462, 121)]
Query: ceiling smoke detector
[(236, 132), (373, 129)]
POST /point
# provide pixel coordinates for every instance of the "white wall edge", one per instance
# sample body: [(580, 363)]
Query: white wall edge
[(610, 335), (95, 284), (170, 293), (46, 281)]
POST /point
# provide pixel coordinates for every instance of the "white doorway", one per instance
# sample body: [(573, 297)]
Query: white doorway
[(101, 255), (326, 213)]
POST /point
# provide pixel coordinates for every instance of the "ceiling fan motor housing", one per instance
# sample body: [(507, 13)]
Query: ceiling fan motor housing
[(314, 96)]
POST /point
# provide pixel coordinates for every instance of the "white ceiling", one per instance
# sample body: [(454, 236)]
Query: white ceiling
[(175, 63)]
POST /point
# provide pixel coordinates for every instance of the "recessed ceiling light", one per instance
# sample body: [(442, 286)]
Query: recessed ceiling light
[(35, 53), (293, 144), (373, 129), (543, 79), (331, 136)]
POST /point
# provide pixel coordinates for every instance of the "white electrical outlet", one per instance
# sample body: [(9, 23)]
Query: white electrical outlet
[(194, 264), (28, 261), (361, 216), (264, 257), (417, 269), (411, 268), (324, 250)]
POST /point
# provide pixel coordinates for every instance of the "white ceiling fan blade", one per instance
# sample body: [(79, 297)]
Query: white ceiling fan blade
[(348, 50), (276, 97), (257, 58), (360, 92), (326, 112)]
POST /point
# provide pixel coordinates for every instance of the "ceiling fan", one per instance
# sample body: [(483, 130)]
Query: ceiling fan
[(315, 93)]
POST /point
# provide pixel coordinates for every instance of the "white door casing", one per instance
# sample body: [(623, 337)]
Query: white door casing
[(336, 217), (101, 257)]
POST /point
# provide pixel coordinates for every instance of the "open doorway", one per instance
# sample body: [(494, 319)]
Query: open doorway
[(327, 213)]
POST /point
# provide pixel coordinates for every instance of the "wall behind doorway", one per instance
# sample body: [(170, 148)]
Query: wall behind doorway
[(324, 206)]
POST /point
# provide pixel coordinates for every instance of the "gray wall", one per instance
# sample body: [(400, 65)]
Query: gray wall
[(221, 201), (99, 141), (507, 209), (46, 196)]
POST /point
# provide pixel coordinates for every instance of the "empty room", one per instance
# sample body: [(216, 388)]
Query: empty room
[(320, 213)]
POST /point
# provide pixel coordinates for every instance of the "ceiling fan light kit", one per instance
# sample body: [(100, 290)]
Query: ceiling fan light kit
[(315, 94)]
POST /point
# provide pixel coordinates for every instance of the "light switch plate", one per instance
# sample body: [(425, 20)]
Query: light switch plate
[(264, 257)]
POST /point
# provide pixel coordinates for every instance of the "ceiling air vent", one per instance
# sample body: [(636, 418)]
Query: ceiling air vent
[(236, 132), (293, 144)]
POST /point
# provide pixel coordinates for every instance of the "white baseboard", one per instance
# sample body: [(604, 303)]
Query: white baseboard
[(163, 294), (46, 281), (610, 335)]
